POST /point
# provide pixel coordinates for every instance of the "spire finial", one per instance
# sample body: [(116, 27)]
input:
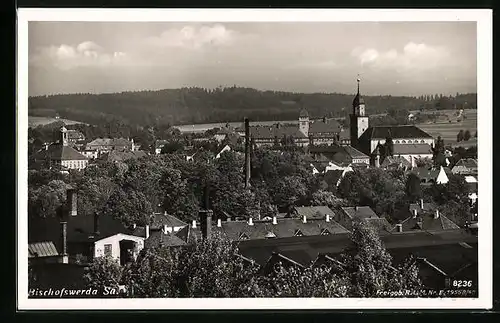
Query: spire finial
[(358, 80)]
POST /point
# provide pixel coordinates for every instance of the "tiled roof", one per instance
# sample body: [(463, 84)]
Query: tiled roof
[(425, 221), (397, 132), (79, 229), (395, 161), (116, 142), (361, 212), (413, 149), (330, 126), (159, 238), (345, 135), (286, 227), (354, 153), (158, 220), (60, 152), (312, 212), (42, 249), (261, 132)]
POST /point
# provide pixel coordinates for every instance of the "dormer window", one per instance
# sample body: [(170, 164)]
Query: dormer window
[(298, 233), (325, 232), (243, 236), (270, 235)]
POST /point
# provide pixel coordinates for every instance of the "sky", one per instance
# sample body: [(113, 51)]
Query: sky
[(391, 58)]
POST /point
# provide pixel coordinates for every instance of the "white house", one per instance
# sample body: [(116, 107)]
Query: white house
[(226, 148), (119, 246)]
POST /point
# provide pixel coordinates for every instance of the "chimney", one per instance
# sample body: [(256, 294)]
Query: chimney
[(71, 202), (325, 120), (250, 221), (421, 204), (304, 219), (436, 214), (275, 220), (356, 208), (64, 242), (194, 224), (247, 153), (134, 226), (96, 223), (165, 228), (399, 227), (205, 223), (147, 231), (219, 223), (414, 213), (328, 218)]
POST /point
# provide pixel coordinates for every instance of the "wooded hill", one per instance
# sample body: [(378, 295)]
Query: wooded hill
[(199, 105)]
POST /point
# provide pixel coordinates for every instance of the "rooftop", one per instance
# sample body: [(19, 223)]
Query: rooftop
[(413, 149)]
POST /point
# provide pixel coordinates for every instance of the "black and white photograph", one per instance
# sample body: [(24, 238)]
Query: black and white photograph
[(259, 159)]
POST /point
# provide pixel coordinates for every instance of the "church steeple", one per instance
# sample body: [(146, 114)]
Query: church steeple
[(358, 102)]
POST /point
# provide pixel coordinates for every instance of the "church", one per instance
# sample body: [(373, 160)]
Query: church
[(409, 141)]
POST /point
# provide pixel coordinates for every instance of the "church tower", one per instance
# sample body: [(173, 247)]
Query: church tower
[(359, 121), (63, 136), (304, 122)]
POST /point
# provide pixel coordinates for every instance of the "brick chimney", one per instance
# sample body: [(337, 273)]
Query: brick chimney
[(436, 214), (219, 223), (71, 202), (304, 219), (247, 153), (194, 224), (399, 227), (422, 204), (414, 213), (328, 218), (147, 231), (250, 221), (206, 223), (275, 220)]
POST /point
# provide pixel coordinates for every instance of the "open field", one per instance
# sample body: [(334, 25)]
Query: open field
[(448, 131), (41, 121)]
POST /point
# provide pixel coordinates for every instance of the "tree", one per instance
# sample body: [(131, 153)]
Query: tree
[(423, 162), (460, 136), (179, 198), (103, 272), (413, 189), (368, 265), (94, 193), (128, 206), (288, 190), (47, 199), (467, 135), (327, 198)]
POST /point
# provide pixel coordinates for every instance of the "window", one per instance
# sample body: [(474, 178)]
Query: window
[(325, 232), (298, 233), (108, 250)]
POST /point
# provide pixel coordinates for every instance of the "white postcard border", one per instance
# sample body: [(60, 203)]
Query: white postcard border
[(484, 89)]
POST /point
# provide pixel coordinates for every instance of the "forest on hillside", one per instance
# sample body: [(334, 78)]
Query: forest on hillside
[(199, 105)]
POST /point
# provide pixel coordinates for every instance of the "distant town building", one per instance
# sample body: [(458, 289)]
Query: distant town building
[(429, 176), (61, 155), (465, 166), (367, 139), (74, 136), (103, 145)]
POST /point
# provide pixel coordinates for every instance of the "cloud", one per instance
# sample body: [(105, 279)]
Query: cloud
[(413, 56), (194, 37), (85, 54)]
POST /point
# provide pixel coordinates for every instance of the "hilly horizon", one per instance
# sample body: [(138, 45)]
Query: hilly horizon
[(192, 105)]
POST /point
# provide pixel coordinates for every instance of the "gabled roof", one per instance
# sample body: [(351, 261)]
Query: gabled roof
[(361, 212), (158, 220), (391, 161), (110, 142), (427, 222), (466, 163), (354, 153), (313, 212), (397, 132), (285, 228), (320, 126), (412, 149), (271, 132), (160, 238), (60, 152), (80, 228)]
